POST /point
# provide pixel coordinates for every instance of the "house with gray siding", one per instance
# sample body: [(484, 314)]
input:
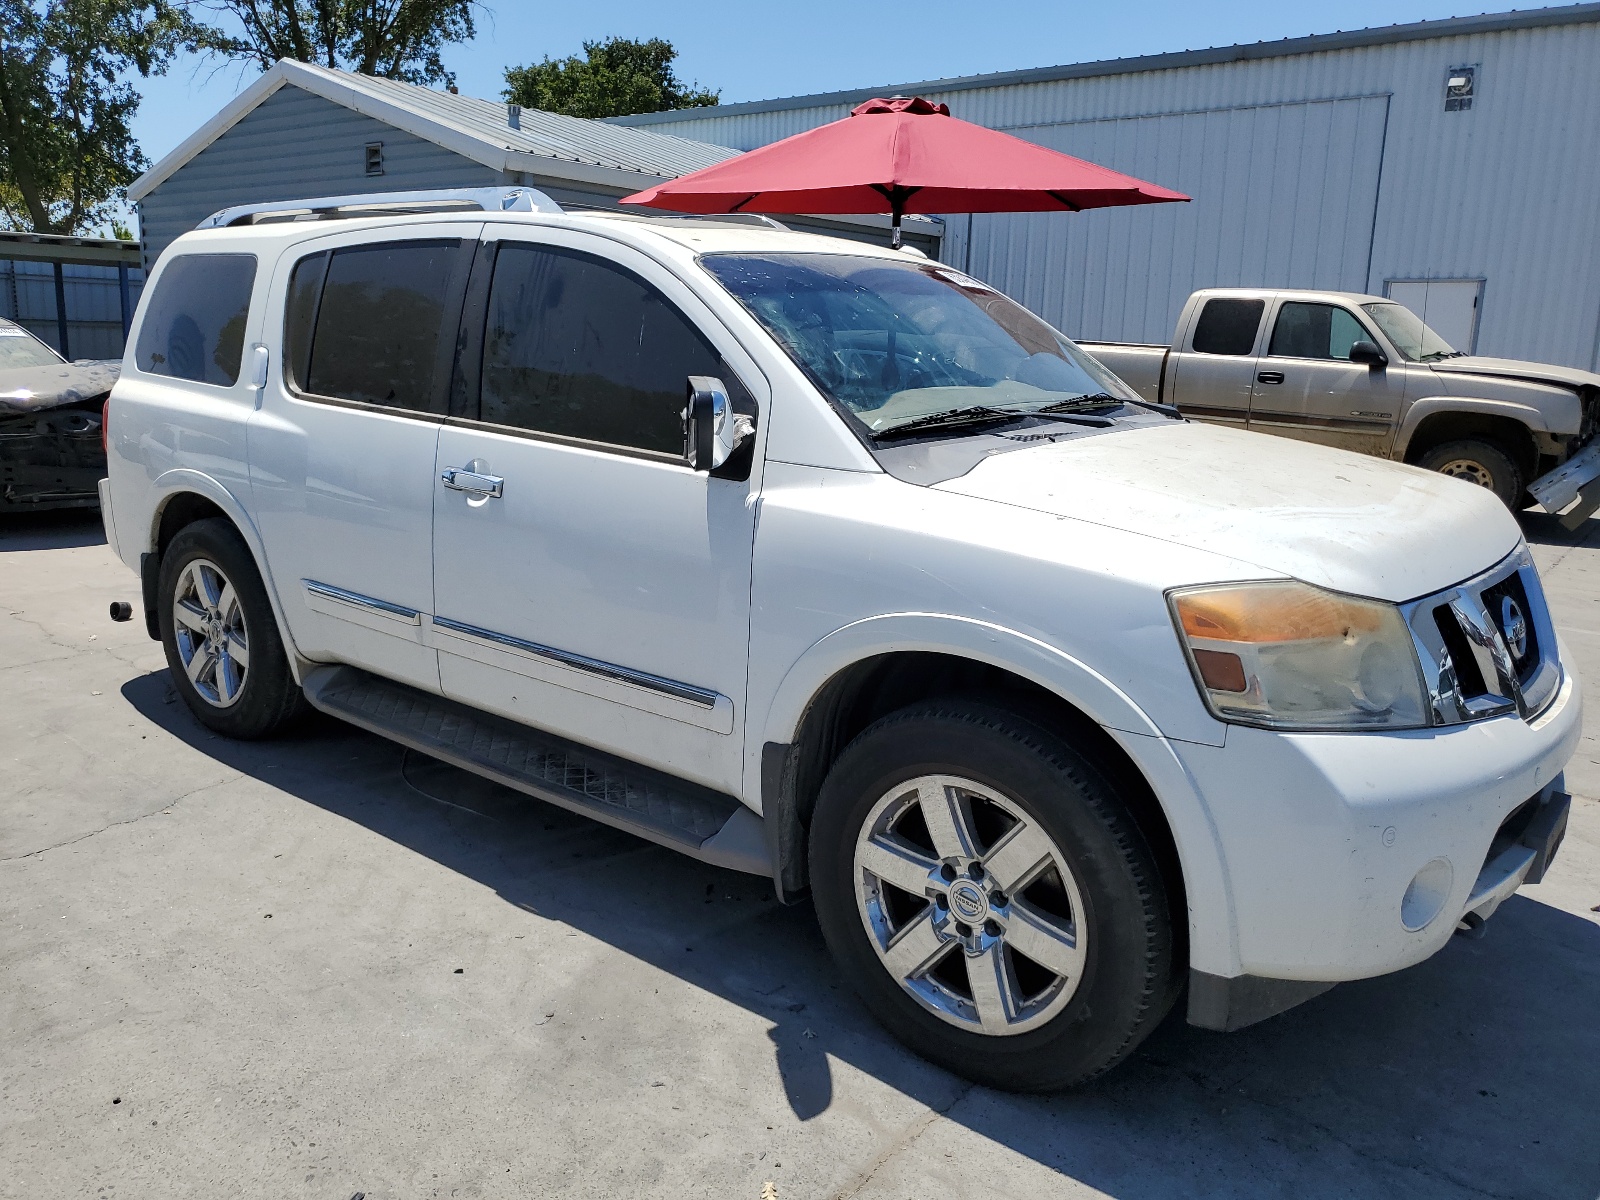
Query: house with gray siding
[(302, 131), (1453, 165)]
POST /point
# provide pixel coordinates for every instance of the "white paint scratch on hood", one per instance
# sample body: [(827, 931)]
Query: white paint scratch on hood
[(1340, 520)]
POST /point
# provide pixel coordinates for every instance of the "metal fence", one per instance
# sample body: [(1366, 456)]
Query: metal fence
[(94, 304)]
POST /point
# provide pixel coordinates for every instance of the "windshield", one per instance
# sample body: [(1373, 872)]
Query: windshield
[(895, 342), (1405, 330), (19, 348)]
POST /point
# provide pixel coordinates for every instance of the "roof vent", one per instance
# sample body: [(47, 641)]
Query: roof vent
[(514, 115)]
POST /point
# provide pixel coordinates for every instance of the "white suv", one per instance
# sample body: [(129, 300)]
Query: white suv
[(825, 561)]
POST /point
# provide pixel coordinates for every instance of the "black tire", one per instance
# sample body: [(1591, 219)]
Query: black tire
[(267, 700), (1482, 462), (1126, 982)]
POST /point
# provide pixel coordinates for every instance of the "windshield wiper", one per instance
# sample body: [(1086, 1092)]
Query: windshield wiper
[(1440, 355), (978, 414), (1087, 400)]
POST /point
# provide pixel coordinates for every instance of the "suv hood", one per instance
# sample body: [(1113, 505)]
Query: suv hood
[(1340, 520), (1511, 368)]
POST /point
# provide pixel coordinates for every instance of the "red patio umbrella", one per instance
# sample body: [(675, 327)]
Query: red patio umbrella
[(901, 156)]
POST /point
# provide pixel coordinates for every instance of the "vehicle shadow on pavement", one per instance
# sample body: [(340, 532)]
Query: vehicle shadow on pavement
[(1477, 1072), (59, 529)]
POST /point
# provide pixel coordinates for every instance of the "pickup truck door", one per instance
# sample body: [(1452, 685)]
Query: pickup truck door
[(586, 581), (1214, 361), (1307, 388)]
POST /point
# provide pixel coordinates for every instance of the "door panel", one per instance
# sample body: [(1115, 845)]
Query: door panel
[(1214, 365), (342, 452), (1307, 388), (604, 594)]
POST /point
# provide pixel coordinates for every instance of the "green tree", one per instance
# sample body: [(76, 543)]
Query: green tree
[(66, 150), (397, 39), (614, 78)]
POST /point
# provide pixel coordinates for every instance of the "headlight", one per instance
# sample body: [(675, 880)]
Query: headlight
[(1286, 655)]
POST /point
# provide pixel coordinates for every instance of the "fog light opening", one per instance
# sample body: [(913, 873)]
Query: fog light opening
[(1426, 895)]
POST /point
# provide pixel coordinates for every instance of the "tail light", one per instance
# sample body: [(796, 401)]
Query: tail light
[(105, 420)]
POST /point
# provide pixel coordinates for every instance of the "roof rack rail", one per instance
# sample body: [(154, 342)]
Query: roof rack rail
[(372, 204), (757, 219)]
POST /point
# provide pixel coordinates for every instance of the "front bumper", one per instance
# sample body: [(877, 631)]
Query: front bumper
[(1574, 486), (1522, 851), (1353, 855)]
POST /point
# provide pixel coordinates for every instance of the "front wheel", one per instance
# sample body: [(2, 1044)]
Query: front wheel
[(990, 898), (1478, 461)]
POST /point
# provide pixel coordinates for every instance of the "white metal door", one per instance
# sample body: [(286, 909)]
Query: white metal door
[(603, 593), (1447, 306)]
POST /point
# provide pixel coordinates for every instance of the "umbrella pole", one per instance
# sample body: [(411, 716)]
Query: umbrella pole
[(896, 206)]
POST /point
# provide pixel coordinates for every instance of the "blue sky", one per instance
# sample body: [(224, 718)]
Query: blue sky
[(756, 50)]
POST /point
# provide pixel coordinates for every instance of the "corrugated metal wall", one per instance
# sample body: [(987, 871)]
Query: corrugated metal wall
[(1284, 195), (1508, 192), (94, 313)]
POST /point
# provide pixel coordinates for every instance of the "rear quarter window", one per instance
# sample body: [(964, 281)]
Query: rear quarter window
[(194, 326), (1228, 325), (376, 320)]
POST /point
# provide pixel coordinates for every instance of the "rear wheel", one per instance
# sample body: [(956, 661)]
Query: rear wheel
[(221, 639), (1479, 461), (990, 898)]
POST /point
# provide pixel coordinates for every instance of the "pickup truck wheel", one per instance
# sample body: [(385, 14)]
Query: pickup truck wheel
[(1480, 462), (221, 638), (989, 897)]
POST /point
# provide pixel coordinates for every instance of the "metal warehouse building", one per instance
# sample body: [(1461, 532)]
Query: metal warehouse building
[(1452, 164)]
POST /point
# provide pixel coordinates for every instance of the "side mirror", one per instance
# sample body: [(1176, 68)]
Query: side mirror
[(1368, 352), (712, 431)]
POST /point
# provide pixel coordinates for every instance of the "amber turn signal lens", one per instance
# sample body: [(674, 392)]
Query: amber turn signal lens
[(1221, 671), (1290, 612)]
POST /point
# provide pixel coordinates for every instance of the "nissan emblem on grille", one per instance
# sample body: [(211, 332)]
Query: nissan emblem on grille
[(1515, 627)]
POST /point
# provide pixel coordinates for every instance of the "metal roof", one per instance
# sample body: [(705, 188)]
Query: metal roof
[(546, 143), (1573, 14), (67, 248)]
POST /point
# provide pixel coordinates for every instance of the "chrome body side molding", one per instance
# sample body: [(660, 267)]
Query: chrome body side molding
[(367, 604), (703, 697)]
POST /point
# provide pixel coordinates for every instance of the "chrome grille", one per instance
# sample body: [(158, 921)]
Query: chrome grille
[(1486, 645)]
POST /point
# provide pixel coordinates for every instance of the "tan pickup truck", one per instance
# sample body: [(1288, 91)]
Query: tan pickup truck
[(1364, 373)]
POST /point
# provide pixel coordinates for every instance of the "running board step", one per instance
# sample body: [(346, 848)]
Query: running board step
[(672, 812)]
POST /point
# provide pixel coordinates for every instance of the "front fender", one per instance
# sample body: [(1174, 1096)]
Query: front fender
[(179, 480), (1553, 419), (1211, 925)]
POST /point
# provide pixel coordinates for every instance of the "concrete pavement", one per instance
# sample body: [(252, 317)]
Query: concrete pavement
[(323, 966)]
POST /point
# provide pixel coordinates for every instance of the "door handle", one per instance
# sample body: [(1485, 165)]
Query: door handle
[(460, 479), (1270, 377)]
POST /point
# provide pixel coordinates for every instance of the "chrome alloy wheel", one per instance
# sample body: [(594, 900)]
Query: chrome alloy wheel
[(208, 626), (970, 905), (1469, 469)]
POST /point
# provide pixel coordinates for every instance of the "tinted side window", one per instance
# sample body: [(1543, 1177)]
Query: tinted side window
[(378, 326), (300, 314), (194, 326), (580, 347), (1314, 331), (1228, 326)]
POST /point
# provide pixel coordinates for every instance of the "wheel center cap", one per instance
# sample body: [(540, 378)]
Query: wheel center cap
[(968, 902)]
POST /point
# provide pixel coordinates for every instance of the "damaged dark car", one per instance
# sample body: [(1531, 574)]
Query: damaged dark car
[(52, 448)]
